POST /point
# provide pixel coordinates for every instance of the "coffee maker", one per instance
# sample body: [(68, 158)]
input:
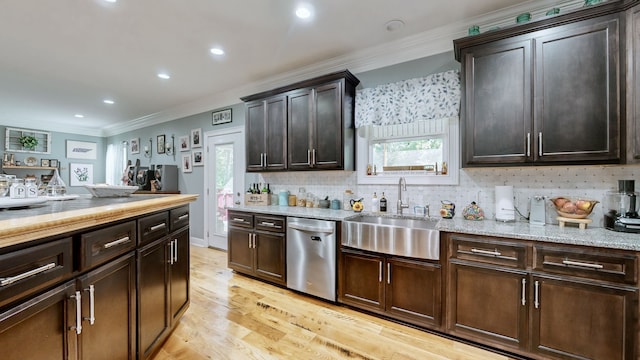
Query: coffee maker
[(622, 213)]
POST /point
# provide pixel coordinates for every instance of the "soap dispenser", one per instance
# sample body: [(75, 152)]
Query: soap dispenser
[(374, 203)]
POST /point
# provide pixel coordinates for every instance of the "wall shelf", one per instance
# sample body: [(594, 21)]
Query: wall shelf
[(29, 167)]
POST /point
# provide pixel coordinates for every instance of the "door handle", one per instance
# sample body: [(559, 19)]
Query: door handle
[(313, 153), (536, 298), (309, 157), (78, 325), (380, 271), (388, 273), (92, 305), (540, 143), (524, 292), (528, 144)]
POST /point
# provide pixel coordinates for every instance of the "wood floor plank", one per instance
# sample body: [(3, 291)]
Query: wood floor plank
[(233, 317)]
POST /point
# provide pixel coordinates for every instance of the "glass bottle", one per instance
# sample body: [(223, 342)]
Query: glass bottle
[(56, 186), (383, 203)]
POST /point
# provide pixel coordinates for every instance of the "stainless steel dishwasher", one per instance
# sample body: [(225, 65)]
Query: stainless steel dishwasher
[(311, 257)]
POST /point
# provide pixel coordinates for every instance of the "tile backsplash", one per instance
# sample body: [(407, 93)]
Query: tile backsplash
[(476, 184)]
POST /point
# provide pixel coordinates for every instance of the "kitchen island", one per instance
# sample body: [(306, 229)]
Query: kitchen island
[(93, 278)]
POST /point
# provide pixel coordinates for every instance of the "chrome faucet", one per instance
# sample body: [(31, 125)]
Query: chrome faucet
[(402, 185)]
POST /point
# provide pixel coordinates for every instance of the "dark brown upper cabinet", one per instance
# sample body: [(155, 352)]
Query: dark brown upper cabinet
[(544, 93), (308, 125)]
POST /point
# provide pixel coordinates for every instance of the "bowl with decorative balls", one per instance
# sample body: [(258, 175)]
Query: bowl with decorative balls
[(573, 209)]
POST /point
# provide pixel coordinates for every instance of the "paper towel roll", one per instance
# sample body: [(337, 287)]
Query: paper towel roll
[(504, 204)]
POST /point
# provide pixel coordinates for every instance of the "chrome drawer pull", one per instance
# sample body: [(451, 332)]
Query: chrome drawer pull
[(270, 224), (581, 264), (10, 280), (238, 220), (486, 252), (92, 305), (157, 227), (78, 326), (117, 242), (182, 217)]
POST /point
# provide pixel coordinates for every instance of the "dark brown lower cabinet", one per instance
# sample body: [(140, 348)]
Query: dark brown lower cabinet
[(163, 289), (43, 327), (109, 311), (402, 288)]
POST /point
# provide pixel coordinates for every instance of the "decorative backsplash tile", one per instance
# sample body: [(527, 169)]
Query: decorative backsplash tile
[(476, 184)]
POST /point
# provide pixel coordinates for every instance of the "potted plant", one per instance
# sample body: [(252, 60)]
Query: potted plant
[(29, 142)]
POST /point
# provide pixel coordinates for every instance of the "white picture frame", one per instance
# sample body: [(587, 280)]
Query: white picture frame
[(187, 165), (196, 138), (80, 174), (198, 157), (183, 142), (221, 117), (82, 150), (134, 146)]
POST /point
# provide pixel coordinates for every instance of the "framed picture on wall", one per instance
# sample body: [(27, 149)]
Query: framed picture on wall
[(197, 158), (53, 162), (80, 174), (184, 143), (160, 144), (196, 138), (186, 163), (81, 150), (221, 117), (134, 146)]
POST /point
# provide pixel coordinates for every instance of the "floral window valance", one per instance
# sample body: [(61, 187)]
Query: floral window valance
[(435, 96)]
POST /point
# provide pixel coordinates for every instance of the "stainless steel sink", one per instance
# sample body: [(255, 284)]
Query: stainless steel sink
[(395, 235)]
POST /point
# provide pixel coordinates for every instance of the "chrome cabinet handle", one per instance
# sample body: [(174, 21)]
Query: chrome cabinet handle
[(388, 273), (523, 298), (536, 299), (78, 326), (380, 271), (92, 305), (313, 152), (528, 144), (158, 227), (184, 216), (175, 252), (239, 220), (250, 241), (581, 264), (12, 279), (254, 240), (540, 144), (309, 157), (486, 252), (116, 242), (170, 244), (270, 224)]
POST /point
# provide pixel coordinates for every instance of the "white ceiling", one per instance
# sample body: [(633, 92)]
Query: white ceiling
[(63, 57)]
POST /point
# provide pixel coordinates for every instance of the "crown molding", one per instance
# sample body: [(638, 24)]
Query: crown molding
[(413, 47)]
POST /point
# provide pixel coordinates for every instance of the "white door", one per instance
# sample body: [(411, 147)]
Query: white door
[(224, 181)]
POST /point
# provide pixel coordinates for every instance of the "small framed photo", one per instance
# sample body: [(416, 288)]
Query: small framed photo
[(134, 146), (197, 158), (53, 163), (221, 117), (44, 162), (186, 163), (184, 143), (160, 144), (196, 138)]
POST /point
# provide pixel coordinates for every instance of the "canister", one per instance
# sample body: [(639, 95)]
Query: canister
[(292, 200), (283, 198), (335, 204)]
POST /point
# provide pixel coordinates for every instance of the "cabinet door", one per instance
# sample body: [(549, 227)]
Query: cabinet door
[(240, 250), (299, 127), (633, 83), (576, 320), (112, 334), (270, 257), (153, 314), (361, 280), (577, 102), (488, 305), (256, 135), (327, 147), (276, 133), (413, 291), (41, 327), (179, 299), (496, 107)]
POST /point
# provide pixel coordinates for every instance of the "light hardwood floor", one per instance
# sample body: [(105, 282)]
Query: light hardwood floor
[(234, 317)]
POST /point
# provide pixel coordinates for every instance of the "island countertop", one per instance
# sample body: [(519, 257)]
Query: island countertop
[(57, 217)]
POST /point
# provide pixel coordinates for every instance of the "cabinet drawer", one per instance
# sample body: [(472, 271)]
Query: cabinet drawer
[(24, 272), (153, 227), (178, 218), (586, 263), (105, 244), (240, 219), (489, 251), (270, 223)]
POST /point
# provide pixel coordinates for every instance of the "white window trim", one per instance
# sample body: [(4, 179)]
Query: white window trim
[(452, 152)]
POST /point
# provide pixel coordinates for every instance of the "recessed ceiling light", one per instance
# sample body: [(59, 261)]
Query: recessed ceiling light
[(164, 76), (108, 101), (79, 116), (394, 25), (217, 51), (303, 12), (111, 1)]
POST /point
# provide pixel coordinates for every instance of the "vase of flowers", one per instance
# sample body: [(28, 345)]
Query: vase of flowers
[(28, 142)]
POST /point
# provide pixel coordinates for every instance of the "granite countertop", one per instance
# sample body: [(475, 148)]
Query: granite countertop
[(52, 218), (591, 236)]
